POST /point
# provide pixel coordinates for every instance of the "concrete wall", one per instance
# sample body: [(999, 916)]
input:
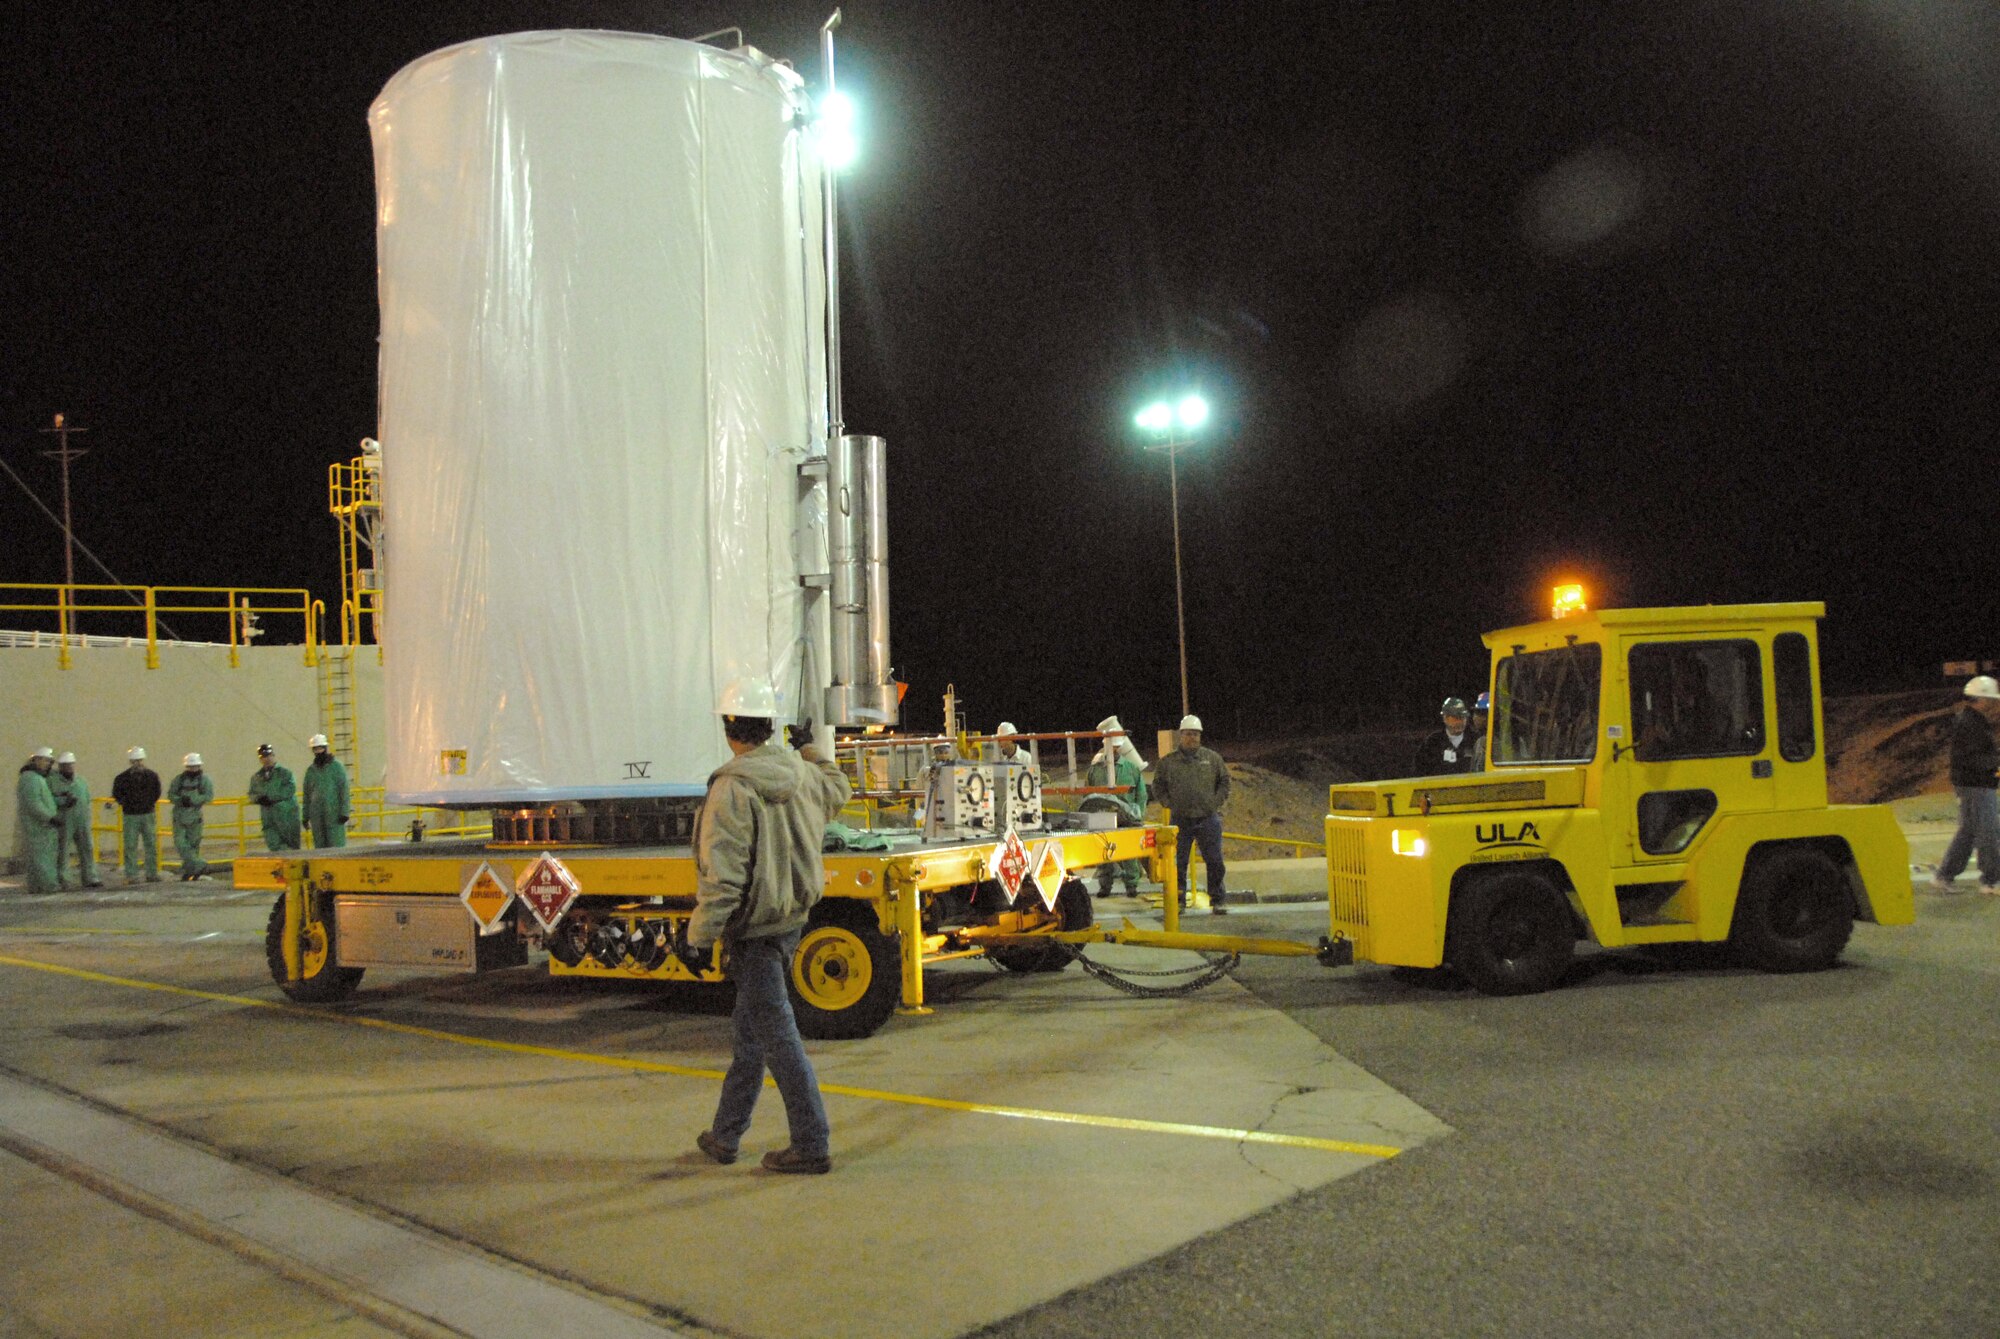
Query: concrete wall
[(108, 700)]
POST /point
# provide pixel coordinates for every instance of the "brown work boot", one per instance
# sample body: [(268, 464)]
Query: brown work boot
[(793, 1161), (709, 1144)]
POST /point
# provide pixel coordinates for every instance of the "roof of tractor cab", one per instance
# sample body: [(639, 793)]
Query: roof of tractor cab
[(1686, 618)]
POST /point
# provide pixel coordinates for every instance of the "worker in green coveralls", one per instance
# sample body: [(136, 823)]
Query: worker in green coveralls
[(36, 819), (72, 794), (187, 793), (1118, 763), (326, 796), (276, 795)]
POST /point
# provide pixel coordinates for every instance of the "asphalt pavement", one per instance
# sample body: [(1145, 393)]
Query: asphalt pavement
[(1668, 1145)]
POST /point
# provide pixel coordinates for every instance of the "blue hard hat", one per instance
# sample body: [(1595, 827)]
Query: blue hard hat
[(1484, 702)]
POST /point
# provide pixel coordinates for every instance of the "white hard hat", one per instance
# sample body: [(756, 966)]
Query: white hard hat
[(1110, 726), (748, 697), (1006, 728), (67, 757), (316, 742), (1191, 723), (45, 752), (1982, 685), (135, 755), (192, 760)]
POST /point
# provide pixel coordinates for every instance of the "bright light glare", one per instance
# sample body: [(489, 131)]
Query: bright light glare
[(1567, 599), (839, 146), (1156, 417), (1192, 412), (1405, 842)]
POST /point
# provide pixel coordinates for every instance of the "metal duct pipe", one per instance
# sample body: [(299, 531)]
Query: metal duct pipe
[(862, 692)]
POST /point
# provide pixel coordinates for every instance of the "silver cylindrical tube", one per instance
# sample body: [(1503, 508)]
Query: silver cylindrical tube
[(873, 460), (846, 537)]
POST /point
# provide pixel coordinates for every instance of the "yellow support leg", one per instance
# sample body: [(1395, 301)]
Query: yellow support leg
[(909, 940), (1167, 870)]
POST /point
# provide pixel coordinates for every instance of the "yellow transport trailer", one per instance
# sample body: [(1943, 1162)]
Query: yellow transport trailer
[(473, 906), (1653, 776)]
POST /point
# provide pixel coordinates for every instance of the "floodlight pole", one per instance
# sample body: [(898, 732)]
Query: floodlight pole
[(1172, 447), (65, 453)]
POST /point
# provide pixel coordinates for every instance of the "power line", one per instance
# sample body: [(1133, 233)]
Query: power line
[(57, 522)]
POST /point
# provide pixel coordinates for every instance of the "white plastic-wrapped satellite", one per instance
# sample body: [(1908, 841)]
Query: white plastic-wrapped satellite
[(606, 419)]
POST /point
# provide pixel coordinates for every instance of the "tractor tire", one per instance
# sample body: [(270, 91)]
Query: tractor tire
[(1794, 912), (321, 981), (1073, 913), (1510, 934), (846, 975)]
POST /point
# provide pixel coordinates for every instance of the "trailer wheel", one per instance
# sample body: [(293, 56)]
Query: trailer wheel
[(846, 976), (320, 981), (1073, 913), (1794, 912), (1510, 934)]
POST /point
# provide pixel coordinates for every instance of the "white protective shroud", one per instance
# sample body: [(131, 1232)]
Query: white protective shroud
[(603, 361)]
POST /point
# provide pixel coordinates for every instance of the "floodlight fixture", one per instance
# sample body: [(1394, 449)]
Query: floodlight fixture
[(839, 143)]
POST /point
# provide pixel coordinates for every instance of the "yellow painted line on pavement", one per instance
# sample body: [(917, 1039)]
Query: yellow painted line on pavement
[(688, 1071)]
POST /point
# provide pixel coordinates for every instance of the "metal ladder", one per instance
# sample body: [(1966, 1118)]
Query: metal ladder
[(336, 705)]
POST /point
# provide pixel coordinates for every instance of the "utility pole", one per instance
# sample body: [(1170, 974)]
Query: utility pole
[(65, 453)]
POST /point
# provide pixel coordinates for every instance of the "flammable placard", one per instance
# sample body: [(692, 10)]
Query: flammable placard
[(548, 888), (1049, 872), (1013, 866), (487, 896)]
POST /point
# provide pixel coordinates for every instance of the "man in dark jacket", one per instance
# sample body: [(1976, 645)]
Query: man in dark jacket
[(137, 790), (1974, 761), (1193, 783), (1450, 749), (758, 872)]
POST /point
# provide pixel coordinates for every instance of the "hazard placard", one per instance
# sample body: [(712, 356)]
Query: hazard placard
[(548, 889), (1049, 871), (1012, 866), (487, 896)]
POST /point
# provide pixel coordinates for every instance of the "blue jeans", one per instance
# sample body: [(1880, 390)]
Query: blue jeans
[(1207, 832), (1978, 828), (767, 1034)]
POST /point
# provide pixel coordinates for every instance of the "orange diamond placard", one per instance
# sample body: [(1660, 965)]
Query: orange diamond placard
[(487, 896), (1013, 865), (1049, 872), (548, 888)]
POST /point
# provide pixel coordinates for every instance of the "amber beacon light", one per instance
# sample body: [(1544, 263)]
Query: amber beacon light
[(1567, 599)]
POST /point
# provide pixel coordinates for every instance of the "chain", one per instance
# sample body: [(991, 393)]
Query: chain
[(1214, 968)]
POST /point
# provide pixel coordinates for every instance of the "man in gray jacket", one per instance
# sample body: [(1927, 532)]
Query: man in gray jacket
[(757, 844), (1193, 782)]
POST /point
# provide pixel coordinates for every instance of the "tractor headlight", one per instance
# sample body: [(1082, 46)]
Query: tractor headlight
[(1407, 841)]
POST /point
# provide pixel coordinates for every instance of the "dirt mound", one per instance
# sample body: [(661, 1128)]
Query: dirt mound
[(1267, 803), (1884, 746), (1879, 747)]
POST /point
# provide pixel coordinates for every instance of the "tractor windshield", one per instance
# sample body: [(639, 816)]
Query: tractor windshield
[(1545, 706)]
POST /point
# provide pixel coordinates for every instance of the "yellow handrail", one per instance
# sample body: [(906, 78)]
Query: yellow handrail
[(147, 604), (233, 828), (1317, 847)]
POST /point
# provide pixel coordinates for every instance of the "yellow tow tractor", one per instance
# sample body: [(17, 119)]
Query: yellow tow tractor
[(1654, 776)]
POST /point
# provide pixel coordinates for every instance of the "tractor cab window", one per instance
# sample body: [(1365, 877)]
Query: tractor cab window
[(1545, 706), (1696, 700)]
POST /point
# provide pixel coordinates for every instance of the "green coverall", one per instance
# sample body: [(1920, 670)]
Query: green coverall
[(326, 800), (1132, 807), (277, 795), (35, 820), (188, 792), (75, 829)]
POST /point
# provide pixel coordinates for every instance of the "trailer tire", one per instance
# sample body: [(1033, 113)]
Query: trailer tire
[(846, 975), (321, 981), (1510, 934), (1073, 912), (1794, 912)]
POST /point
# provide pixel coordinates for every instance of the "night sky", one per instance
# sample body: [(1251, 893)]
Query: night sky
[(1698, 306)]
